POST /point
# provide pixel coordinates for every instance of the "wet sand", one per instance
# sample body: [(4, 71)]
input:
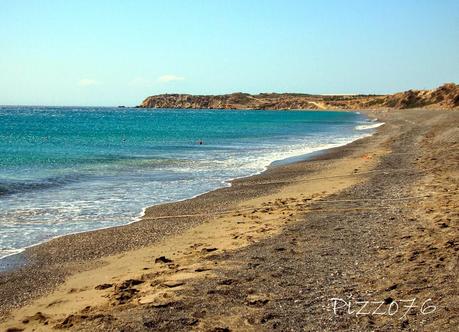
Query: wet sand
[(374, 220)]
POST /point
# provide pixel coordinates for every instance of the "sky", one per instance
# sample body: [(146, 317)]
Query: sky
[(113, 52)]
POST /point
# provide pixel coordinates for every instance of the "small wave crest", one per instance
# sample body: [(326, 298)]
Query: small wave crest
[(9, 187), (369, 126)]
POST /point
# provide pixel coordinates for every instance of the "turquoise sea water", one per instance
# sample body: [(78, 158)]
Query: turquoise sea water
[(67, 170)]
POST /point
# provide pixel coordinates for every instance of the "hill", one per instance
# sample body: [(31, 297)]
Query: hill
[(444, 97)]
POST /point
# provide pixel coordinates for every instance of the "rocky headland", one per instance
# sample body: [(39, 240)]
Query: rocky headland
[(444, 97)]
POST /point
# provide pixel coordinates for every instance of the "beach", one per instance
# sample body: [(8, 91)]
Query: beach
[(374, 220), (59, 176)]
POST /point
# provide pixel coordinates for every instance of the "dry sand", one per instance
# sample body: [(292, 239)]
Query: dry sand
[(374, 220)]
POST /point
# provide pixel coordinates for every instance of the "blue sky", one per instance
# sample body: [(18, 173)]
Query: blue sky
[(95, 52)]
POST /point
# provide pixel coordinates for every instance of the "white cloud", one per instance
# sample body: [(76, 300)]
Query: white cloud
[(87, 82), (170, 78)]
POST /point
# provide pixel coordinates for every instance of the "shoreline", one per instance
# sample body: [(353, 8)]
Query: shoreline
[(36, 257), (241, 257), (19, 259)]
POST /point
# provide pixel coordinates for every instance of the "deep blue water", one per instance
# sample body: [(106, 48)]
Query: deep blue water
[(66, 170)]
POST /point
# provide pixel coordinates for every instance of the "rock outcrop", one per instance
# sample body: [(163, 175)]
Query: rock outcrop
[(444, 97)]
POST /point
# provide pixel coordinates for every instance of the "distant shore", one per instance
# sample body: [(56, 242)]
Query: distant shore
[(269, 251), (444, 97)]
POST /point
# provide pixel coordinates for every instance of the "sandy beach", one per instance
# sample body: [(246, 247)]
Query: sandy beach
[(372, 221)]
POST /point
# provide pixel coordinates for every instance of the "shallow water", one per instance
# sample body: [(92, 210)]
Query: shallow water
[(68, 170)]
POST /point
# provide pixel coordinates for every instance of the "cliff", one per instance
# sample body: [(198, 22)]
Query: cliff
[(444, 97)]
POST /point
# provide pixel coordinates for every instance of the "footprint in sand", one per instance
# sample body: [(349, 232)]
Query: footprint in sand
[(173, 283), (55, 303), (210, 249), (197, 245), (103, 286), (38, 317), (163, 259)]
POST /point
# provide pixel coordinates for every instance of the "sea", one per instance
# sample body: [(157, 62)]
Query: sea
[(67, 170)]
